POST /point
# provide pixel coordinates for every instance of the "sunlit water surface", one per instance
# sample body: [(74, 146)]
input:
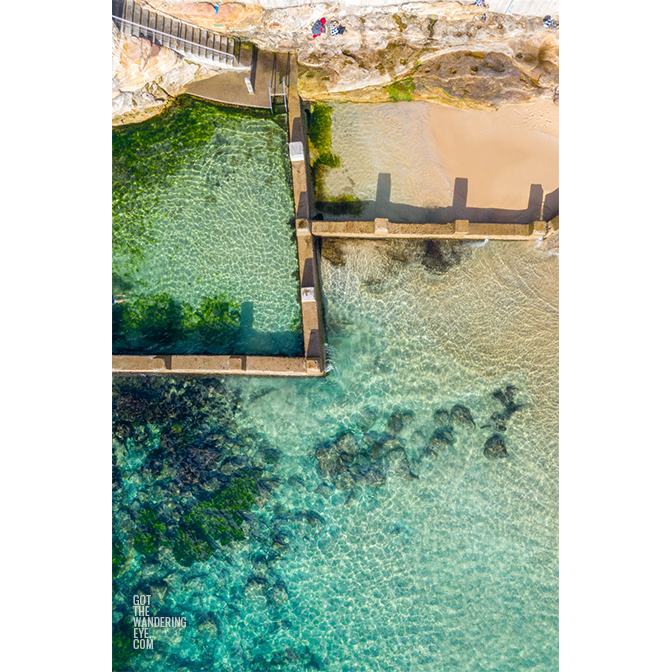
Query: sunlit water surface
[(454, 570)]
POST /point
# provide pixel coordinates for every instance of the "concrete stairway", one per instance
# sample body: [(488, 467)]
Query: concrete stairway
[(193, 42)]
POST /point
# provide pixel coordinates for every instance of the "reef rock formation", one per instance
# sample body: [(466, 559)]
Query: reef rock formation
[(346, 462), (460, 415), (145, 77), (495, 448)]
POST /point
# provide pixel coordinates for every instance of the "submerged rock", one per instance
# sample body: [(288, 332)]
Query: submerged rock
[(506, 398), (256, 584), (500, 396), (331, 249), (366, 419), (324, 489), (510, 392), (396, 462), (433, 259), (460, 415), (395, 423), (441, 417), (311, 517), (280, 543), (373, 475), (439, 256), (346, 463), (495, 448), (498, 420), (334, 458), (296, 481), (441, 440), (277, 594)]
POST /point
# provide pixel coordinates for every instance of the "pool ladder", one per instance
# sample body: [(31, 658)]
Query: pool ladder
[(274, 85)]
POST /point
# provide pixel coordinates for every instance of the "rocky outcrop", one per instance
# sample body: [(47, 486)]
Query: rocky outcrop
[(229, 15), (145, 77), (438, 51)]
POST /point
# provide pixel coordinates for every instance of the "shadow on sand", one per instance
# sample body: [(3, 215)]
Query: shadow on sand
[(537, 208)]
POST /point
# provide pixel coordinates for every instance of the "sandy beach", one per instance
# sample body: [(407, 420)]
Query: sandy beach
[(427, 162)]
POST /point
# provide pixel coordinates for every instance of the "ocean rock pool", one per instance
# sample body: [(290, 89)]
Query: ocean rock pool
[(204, 251)]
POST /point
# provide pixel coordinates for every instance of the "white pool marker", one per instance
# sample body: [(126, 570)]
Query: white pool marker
[(296, 151)]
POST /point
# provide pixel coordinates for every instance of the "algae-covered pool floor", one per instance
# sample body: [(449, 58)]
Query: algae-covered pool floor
[(204, 251)]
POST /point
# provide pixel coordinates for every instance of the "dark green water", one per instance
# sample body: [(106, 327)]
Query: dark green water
[(355, 523), (203, 235)]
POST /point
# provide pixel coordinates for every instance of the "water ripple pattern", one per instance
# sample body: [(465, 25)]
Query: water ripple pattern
[(216, 213), (449, 560)]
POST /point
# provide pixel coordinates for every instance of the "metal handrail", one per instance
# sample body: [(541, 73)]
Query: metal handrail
[(177, 39)]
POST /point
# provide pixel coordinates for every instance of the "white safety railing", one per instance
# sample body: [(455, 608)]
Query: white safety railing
[(177, 40)]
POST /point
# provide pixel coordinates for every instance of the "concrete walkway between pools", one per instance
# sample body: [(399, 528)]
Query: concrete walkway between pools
[(461, 229), (311, 295)]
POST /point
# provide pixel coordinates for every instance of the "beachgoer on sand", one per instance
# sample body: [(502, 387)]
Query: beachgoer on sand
[(480, 3), (318, 27)]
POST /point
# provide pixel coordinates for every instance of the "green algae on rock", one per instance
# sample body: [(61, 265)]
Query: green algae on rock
[(322, 160), (185, 440), (402, 89), (158, 323)]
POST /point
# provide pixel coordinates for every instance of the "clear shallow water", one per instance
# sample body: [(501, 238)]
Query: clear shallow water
[(203, 209), (455, 569), (424, 162)]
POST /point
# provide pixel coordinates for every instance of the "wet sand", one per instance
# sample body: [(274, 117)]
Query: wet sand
[(421, 149)]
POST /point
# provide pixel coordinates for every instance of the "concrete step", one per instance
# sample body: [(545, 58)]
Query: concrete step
[(137, 16), (210, 43)]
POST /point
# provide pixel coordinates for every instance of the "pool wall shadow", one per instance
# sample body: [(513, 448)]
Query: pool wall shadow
[(539, 206)]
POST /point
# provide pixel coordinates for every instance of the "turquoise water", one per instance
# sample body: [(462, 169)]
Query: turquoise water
[(203, 228), (381, 537)]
